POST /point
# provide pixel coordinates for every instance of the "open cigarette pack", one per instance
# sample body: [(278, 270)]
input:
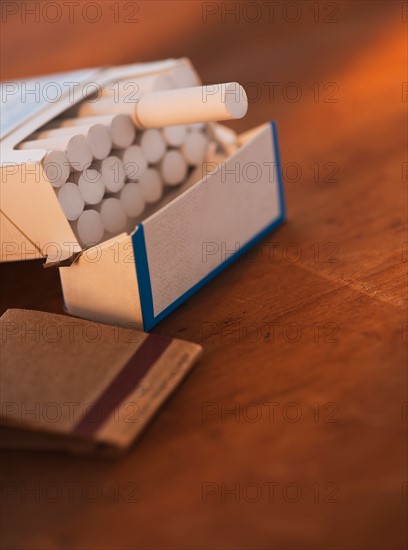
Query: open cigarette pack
[(145, 215)]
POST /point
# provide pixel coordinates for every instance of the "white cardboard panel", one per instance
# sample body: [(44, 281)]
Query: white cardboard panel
[(102, 285), (195, 233), (15, 246), (76, 90), (29, 201)]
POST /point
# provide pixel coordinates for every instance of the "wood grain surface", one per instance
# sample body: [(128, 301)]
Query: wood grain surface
[(291, 431)]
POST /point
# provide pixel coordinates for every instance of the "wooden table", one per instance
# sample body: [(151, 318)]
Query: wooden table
[(291, 431)]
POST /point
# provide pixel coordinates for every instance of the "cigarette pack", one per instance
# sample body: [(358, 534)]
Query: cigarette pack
[(180, 243), (87, 387)]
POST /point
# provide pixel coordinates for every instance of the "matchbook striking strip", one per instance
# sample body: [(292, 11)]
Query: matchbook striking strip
[(123, 384)]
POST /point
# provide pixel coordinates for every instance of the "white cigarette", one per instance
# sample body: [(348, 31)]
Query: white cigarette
[(133, 86), (71, 201), (91, 186), (132, 199), (190, 105), (97, 136), (135, 162), (214, 156), (197, 174), (76, 147), (122, 129), (173, 167), (113, 215), (175, 135), (194, 148), (57, 168), (79, 153), (172, 107), (90, 228), (113, 173), (153, 145), (226, 137), (151, 184)]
